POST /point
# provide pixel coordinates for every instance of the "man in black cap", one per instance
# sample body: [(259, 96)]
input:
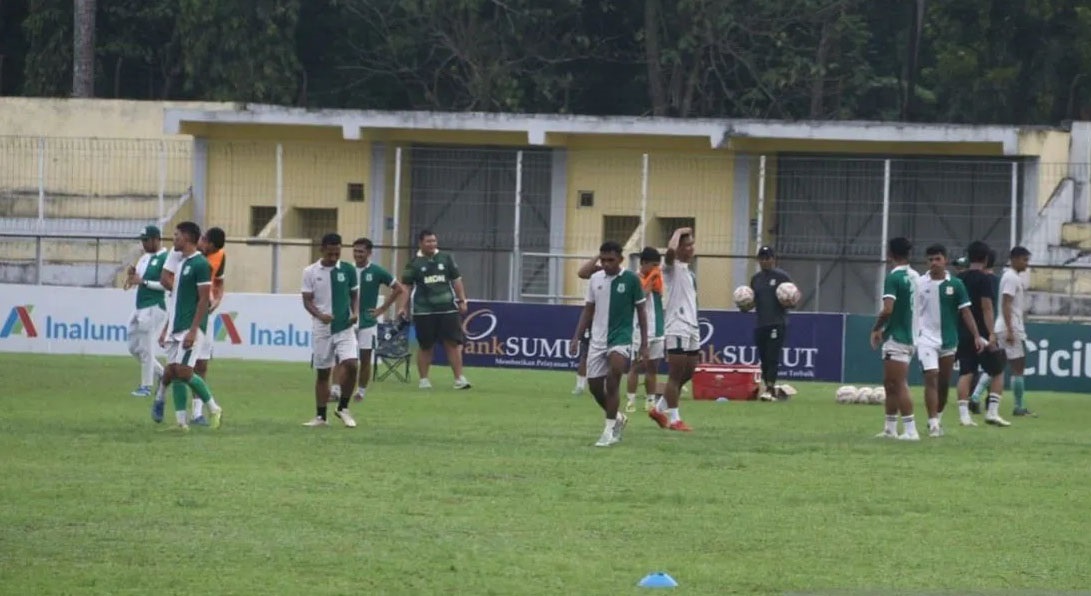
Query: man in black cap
[(772, 320), (150, 315)]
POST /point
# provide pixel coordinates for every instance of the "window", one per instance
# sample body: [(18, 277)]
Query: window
[(316, 223), (619, 228), (259, 218)]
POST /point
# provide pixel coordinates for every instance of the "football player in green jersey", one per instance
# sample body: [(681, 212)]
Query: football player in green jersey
[(896, 329)]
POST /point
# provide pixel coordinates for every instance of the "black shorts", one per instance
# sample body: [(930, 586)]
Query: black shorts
[(443, 327), (969, 360)]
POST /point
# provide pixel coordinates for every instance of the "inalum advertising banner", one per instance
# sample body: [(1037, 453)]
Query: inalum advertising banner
[(501, 334)]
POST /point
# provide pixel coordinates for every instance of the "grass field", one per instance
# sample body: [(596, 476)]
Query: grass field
[(498, 491)]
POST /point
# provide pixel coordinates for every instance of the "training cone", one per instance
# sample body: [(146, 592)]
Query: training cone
[(658, 580)]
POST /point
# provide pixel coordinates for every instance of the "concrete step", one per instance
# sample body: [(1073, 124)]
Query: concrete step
[(21, 204), (1061, 280), (107, 252), (1076, 235)]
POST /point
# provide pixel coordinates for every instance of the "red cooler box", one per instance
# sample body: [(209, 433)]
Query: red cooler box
[(735, 382)]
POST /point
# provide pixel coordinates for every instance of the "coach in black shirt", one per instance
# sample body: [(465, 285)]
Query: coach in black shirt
[(772, 318)]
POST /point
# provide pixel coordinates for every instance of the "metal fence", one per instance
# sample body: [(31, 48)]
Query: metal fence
[(521, 219)]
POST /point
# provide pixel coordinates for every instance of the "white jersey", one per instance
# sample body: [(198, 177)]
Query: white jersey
[(1015, 285), (142, 263), (680, 311)]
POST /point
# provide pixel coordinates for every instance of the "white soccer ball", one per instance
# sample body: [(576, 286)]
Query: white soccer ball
[(744, 297), (846, 394), (789, 295), (878, 396), (863, 396)]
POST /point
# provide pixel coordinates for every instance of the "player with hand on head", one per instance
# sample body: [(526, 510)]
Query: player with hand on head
[(331, 295), (614, 295), (1011, 330), (896, 329), (772, 325), (682, 330), (943, 302), (147, 321)]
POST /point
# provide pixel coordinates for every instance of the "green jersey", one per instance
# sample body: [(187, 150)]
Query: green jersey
[(616, 299), (372, 277), (942, 301), (901, 285), (150, 268), (192, 273), (334, 289), (432, 279)]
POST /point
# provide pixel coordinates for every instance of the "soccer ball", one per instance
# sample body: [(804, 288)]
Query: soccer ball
[(846, 394), (863, 396), (788, 295), (744, 297), (878, 396)]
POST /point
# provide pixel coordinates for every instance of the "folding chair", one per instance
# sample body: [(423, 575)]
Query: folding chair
[(392, 351)]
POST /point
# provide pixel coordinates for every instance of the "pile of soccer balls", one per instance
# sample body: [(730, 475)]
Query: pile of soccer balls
[(862, 395), (787, 293)]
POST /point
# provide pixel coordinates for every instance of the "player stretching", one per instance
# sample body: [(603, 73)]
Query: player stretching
[(943, 302), (683, 336), (772, 325), (372, 277), (1010, 328), (896, 324), (212, 246), (651, 280), (147, 320), (979, 286), (613, 295), (189, 320), (330, 295)]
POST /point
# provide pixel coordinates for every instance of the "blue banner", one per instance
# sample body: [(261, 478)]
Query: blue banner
[(511, 335)]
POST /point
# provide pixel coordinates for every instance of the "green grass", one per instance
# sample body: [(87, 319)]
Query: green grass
[(498, 491)]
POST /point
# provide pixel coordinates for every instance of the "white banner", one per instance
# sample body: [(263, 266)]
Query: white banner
[(64, 320)]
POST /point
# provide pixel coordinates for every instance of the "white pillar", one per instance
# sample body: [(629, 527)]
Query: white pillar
[(397, 205), (886, 225)]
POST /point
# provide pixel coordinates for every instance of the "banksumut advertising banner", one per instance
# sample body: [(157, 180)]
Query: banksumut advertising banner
[(1058, 356), (63, 320), (509, 335)]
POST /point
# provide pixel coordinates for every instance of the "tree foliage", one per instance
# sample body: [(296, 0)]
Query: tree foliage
[(979, 61)]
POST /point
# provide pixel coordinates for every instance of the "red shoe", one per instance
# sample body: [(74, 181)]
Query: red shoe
[(659, 417), (680, 426)]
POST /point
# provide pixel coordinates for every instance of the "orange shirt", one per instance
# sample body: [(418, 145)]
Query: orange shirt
[(218, 263), (653, 281)]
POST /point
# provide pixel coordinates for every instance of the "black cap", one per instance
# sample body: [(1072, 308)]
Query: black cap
[(649, 255), (766, 251)]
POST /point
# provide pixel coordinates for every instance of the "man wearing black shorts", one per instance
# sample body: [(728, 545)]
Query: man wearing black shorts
[(979, 286), (772, 323), (439, 301)]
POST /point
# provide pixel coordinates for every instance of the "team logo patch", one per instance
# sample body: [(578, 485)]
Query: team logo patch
[(950, 291), (185, 270), (340, 277), (367, 277), (621, 288), (772, 282), (441, 266)]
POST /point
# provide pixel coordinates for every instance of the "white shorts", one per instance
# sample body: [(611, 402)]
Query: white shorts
[(328, 350), (655, 348), (598, 360), (176, 354), (898, 352), (365, 338), (204, 351), (931, 355), (678, 343), (1019, 350)]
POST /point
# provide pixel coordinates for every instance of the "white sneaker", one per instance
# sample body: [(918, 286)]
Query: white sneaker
[(935, 431), (996, 421), (631, 406), (462, 383), (619, 426), (424, 384), (909, 437), (967, 422), (577, 391), (606, 440), (317, 421), (347, 418), (766, 396), (886, 435)]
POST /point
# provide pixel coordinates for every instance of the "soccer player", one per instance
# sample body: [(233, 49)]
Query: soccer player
[(613, 296), (1011, 331), (211, 246), (943, 302), (439, 300), (330, 294), (151, 309), (683, 336), (651, 281), (372, 277), (190, 298), (982, 380), (896, 328), (980, 288), (772, 324)]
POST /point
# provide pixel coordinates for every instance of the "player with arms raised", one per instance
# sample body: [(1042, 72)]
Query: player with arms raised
[(683, 336), (896, 329), (613, 296), (330, 294)]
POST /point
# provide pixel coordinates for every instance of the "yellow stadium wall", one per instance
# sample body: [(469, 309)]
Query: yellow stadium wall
[(1051, 148)]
